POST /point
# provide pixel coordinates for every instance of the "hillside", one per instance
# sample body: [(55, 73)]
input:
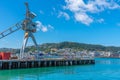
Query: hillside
[(73, 45)]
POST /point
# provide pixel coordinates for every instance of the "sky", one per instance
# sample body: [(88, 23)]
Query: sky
[(83, 21)]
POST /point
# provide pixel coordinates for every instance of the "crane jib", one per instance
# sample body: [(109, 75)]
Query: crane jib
[(10, 30)]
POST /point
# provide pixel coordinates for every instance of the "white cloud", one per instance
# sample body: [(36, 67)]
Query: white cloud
[(50, 27), (42, 27), (90, 6), (80, 8), (64, 14), (100, 20), (83, 18)]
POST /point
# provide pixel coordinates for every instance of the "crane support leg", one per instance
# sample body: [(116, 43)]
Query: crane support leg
[(26, 36), (33, 38), (24, 45)]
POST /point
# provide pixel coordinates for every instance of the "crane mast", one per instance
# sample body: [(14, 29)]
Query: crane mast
[(27, 10), (29, 28)]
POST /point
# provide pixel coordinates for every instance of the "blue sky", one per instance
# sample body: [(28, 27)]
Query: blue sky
[(84, 21)]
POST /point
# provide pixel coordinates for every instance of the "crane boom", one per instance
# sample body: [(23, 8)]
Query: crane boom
[(10, 30)]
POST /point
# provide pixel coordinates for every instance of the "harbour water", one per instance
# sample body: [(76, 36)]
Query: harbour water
[(104, 69)]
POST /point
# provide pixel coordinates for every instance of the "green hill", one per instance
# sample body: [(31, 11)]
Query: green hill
[(73, 45)]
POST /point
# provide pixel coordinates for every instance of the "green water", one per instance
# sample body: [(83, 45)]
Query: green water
[(104, 69)]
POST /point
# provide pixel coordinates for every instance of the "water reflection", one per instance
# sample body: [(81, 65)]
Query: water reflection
[(41, 73), (24, 74)]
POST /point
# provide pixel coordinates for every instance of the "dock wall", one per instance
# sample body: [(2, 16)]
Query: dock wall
[(18, 64)]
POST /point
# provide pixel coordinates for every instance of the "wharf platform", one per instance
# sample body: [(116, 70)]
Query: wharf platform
[(37, 63)]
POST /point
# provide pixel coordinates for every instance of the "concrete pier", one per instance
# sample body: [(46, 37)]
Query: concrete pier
[(18, 64)]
